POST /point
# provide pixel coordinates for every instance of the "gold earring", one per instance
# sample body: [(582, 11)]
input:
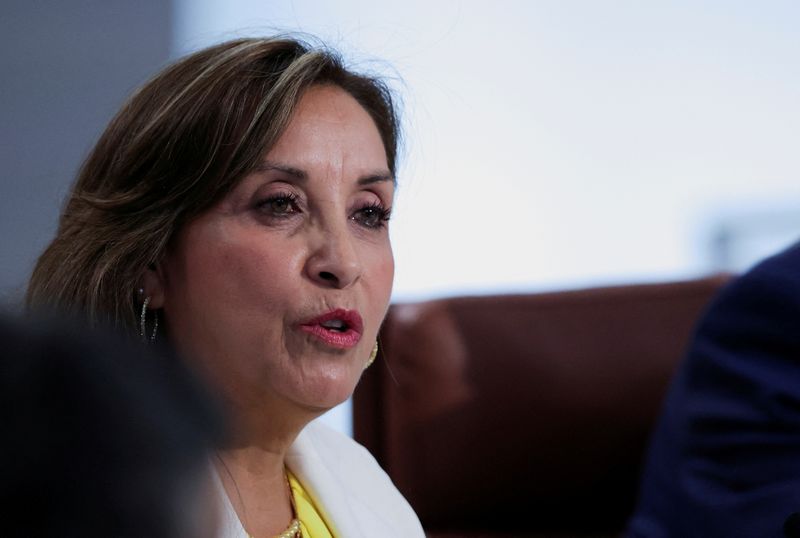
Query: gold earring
[(372, 355)]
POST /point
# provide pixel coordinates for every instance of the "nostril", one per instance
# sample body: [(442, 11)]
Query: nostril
[(326, 275)]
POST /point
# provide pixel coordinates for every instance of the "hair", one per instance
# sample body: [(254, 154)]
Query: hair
[(177, 146)]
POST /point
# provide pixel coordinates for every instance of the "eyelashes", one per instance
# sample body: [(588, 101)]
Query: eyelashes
[(372, 215), (285, 205), (279, 205)]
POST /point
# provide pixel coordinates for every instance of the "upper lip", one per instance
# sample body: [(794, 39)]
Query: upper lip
[(351, 318)]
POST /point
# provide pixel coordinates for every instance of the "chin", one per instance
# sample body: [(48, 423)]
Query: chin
[(324, 394)]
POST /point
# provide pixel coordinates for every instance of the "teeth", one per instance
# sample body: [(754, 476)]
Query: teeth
[(336, 324)]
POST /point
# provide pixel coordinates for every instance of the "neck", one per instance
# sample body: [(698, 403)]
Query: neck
[(252, 468), (255, 482), (266, 420)]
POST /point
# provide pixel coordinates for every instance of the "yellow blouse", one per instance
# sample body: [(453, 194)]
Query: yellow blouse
[(311, 522)]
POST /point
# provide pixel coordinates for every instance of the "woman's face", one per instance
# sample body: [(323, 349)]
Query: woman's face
[(278, 291)]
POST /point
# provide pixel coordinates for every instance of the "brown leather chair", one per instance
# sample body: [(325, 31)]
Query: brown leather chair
[(525, 415)]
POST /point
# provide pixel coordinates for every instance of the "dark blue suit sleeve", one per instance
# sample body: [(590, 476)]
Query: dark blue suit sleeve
[(724, 460)]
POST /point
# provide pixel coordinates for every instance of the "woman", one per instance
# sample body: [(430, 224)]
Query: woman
[(237, 206)]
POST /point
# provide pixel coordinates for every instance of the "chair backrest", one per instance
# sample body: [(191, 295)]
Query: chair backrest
[(525, 414)]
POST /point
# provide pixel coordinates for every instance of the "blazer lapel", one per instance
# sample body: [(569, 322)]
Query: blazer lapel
[(330, 495)]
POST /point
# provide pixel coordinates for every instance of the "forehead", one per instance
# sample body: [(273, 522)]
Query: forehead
[(328, 127)]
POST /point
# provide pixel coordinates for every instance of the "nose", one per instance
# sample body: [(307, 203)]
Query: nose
[(334, 262)]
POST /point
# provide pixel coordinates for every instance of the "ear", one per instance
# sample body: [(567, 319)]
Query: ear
[(154, 284)]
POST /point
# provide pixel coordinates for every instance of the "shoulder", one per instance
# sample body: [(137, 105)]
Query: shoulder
[(350, 485), (761, 306), (783, 263), (342, 455), (750, 334), (347, 459), (775, 280), (323, 436)]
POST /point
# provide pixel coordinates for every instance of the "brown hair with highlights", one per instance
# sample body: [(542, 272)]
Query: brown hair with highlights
[(177, 146)]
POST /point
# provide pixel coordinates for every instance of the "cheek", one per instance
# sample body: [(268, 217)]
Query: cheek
[(383, 277), (255, 271), (387, 271), (230, 301), (243, 269), (224, 281)]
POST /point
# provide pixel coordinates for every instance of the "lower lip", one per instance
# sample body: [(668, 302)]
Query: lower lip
[(337, 339)]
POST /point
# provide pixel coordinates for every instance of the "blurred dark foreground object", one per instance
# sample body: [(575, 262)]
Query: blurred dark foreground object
[(101, 437), (525, 416)]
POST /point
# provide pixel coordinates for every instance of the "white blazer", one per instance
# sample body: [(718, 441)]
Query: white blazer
[(353, 494)]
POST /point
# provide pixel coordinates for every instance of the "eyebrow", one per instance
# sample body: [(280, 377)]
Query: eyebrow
[(376, 178), (266, 166), (301, 175)]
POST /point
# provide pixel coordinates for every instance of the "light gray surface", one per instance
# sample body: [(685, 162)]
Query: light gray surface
[(66, 68)]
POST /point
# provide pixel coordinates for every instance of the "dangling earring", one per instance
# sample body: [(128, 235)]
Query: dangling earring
[(143, 321), (372, 355)]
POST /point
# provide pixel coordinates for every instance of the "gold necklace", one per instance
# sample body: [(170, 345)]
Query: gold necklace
[(294, 530)]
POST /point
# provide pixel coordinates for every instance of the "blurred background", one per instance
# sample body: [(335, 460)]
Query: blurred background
[(549, 144)]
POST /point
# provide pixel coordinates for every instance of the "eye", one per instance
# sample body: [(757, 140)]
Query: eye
[(372, 216), (279, 205)]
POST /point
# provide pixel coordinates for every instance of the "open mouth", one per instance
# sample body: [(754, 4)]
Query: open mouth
[(338, 328), (337, 325)]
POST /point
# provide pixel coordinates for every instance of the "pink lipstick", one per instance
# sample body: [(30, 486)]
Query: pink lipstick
[(338, 328)]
